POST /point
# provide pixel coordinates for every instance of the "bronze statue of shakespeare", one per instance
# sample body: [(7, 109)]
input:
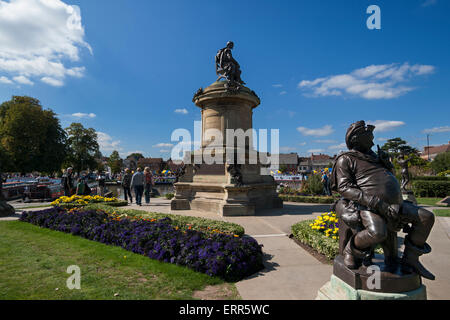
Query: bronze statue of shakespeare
[(227, 67), (373, 208)]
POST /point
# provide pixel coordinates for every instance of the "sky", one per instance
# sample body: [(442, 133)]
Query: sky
[(129, 69)]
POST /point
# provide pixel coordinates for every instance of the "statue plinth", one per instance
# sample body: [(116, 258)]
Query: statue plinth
[(225, 186)]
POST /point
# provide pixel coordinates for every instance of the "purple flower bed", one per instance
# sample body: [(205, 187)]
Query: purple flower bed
[(228, 257)]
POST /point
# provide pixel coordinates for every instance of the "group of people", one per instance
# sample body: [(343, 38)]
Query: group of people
[(140, 182), (81, 186)]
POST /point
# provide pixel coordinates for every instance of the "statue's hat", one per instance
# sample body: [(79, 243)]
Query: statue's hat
[(355, 128)]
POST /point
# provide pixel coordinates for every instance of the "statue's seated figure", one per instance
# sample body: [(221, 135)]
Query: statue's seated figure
[(373, 210), (227, 67)]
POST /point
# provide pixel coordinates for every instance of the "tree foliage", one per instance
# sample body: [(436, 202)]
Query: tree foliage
[(397, 146), (31, 138), (115, 162), (441, 162), (83, 147)]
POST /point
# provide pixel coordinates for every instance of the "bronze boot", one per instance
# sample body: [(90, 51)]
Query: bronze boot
[(410, 260), (353, 257)]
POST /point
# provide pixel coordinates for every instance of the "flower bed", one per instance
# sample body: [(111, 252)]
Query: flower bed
[(229, 257), (182, 222), (306, 199), (80, 201), (322, 234)]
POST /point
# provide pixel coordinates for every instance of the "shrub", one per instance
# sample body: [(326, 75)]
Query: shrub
[(431, 188), (314, 238), (431, 178), (182, 222), (229, 257), (169, 196), (307, 199), (314, 185)]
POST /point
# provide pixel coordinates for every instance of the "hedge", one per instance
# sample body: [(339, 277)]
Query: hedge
[(438, 189), (183, 222), (315, 239), (229, 257), (431, 178), (307, 199)]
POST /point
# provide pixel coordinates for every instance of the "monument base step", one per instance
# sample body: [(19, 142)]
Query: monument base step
[(336, 289)]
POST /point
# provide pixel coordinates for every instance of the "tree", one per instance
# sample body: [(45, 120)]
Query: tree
[(32, 138), (396, 146), (83, 147), (115, 162), (441, 163)]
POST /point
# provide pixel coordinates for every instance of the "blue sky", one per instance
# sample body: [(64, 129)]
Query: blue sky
[(129, 69)]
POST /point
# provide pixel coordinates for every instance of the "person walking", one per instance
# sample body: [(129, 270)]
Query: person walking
[(137, 183), (67, 182), (326, 189), (148, 184), (101, 183), (126, 185)]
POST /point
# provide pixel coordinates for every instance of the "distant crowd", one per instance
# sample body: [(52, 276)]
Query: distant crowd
[(141, 182)]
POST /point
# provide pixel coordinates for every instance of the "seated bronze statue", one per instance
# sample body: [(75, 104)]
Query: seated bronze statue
[(227, 67), (373, 208)]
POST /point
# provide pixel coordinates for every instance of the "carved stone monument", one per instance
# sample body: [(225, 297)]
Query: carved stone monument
[(5, 209), (371, 212), (226, 186)]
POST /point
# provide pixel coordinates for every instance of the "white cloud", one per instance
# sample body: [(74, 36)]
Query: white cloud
[(325, 141), (5, 80), (287, 149), (23, 80), (277, 85), (339, 147), (282, 93), (40, 39), (107, 143), (165, 151), (316, 150), (163, 145), (428, 3), (181, 111), (302, 144), (84, 115), (52, 81), (386, 125), (437, 130), (371, 82), (320, 132)]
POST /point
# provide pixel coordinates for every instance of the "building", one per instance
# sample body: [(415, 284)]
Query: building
[(314, 163), (433, 151), (289, 162), (155, 164)]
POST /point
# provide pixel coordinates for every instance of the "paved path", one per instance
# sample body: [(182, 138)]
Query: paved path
[(291, 272)]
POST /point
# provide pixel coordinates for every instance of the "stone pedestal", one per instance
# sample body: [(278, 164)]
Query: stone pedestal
[(336, 289), (214, 186), (6, 210), (365, 284)]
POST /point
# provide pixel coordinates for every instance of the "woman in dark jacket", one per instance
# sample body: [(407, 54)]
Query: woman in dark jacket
[(126, 184)]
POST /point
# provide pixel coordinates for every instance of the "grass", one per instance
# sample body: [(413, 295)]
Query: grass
[(442, 212), (429, 201), (33, 264)]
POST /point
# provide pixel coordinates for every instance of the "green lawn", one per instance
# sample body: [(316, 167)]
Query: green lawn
[(429, 201), (33, 264), (442, 212)]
